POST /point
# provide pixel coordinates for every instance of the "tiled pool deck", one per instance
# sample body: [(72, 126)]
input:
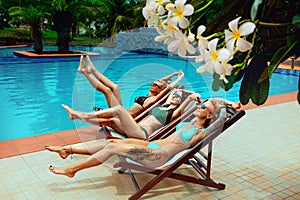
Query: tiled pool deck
[(257, 158)]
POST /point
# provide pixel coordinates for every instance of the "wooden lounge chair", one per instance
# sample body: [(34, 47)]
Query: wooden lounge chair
[(193, 157)]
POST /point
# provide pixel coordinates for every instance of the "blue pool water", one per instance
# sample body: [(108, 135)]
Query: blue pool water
[(32, 90)]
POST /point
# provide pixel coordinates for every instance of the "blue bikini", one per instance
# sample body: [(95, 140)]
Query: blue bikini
[(154, 145), (185, 135)]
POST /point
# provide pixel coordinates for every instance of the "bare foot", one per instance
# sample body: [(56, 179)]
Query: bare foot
[(82, 69), (69, 110), (90, 65), (63, 152), (62, 171)]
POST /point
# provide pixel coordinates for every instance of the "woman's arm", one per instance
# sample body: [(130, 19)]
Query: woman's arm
[(184, 104), (170, 86), (166, 78), (234, 105)]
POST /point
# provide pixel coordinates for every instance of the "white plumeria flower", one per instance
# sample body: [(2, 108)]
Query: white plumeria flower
[(166, 34), (178, 12), (234, 36), (181, 43), (150, 9), (215, 58), (227, 68)]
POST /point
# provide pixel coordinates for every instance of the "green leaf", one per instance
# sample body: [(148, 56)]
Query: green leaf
[(264, 76), (279, 56), (260, 92), (244, 93), (215, 85)]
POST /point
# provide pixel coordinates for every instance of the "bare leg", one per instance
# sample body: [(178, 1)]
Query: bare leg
[(86, 148), (132, 149), (113, 147), (107, 113), (112, 91)]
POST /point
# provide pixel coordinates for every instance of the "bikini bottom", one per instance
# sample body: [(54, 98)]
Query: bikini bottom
[(154, 145), (145, 131)]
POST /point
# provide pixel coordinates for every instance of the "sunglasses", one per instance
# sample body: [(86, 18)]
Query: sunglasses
[(154, 84), (203, 106), (176, 95)]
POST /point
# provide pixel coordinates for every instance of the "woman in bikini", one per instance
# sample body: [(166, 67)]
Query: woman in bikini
[(111, 91), (151, 154), (120, 119)]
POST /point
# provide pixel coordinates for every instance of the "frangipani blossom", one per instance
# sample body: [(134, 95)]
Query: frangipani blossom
[(178, 12), (181, 43), (150, 9), (166, 34), (234, 36), (215, 60), (227, 68)]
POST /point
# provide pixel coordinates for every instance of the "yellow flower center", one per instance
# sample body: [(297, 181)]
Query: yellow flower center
[(214, 56), (171, 28), (236, 34), (179, 12)]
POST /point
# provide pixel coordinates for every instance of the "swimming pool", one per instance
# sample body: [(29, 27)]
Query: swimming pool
[(32, 90)]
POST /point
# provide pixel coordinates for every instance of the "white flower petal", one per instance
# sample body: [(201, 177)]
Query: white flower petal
[(233, 25), (247, 28), (243, 45), (228, 35), (172, 21), (190, 48), (173, 45), (230, 45), (224, 54), (209, 66), (181, 51), (183, 22), (180, 3), (160, 10), (212, 45), (188, 10), (201, 69), (218, 68)]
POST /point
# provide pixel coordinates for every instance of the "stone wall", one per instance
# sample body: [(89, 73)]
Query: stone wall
[(140, 39)]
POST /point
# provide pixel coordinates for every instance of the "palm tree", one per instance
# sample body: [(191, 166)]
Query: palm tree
[(32, 16)]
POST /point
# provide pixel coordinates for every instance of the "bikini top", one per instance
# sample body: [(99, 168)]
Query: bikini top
[(160, 115), (186, 134), (140, 100)]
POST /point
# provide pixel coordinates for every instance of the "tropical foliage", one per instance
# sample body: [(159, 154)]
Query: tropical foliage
[(235, 39), (100, 18)]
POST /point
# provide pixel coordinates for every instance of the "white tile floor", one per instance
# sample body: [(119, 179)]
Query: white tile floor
[(257, 158)]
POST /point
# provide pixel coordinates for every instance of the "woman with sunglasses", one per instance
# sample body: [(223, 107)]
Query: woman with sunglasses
[(111, 91), (120, 119), (151, 154)]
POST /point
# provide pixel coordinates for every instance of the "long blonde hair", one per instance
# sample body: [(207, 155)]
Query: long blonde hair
[(217, 104)]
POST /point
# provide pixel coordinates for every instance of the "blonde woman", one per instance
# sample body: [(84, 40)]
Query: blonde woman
[(151, 154)]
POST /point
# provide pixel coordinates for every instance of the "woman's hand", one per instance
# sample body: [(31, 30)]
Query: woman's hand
[(195, 96), (180, 74)]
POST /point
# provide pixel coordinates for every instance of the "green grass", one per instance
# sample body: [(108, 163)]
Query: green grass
[(49, 37)]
